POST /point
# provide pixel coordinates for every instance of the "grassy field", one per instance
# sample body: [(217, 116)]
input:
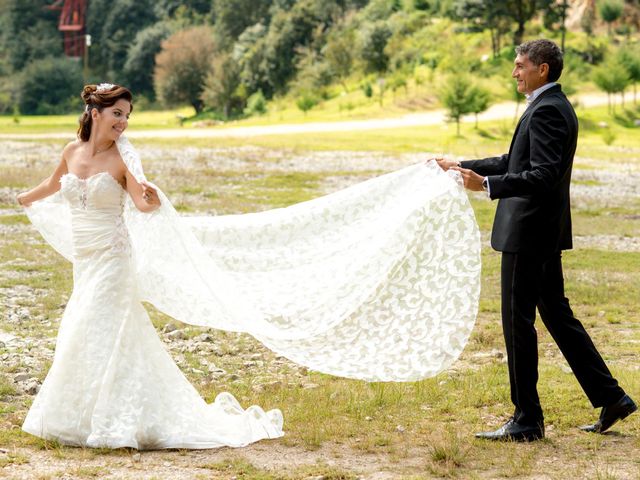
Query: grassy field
[(337, 428)]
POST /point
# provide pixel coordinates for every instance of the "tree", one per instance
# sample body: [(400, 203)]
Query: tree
[(588, 19), (249, 53), (289, 33), (629, 58), (232, 17), (116, 35), (610, 11), (221, 86), (555, 16), (611, 77), (485, 15), (113, 25), (338, 52), (480, 100), (50, 85), (457, 98), (31, 32), (183, 65), (141, 57), (374, 40), (192, 9), (522, 11)]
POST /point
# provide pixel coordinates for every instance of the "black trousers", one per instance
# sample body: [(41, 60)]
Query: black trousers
[(530, 281)]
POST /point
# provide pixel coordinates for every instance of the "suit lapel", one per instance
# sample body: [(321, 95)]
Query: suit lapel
[(555, 89)]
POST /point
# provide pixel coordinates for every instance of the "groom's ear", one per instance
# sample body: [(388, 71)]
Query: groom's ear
[(543, 70)]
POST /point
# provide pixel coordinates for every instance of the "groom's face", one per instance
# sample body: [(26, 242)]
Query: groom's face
[(528, 75)]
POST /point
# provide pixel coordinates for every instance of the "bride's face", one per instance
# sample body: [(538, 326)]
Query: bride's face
[(114, 120)]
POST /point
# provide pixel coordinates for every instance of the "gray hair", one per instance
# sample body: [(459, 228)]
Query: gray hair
[(543, 51)]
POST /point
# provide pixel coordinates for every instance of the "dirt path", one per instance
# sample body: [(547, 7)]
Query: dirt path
[(433, 117)]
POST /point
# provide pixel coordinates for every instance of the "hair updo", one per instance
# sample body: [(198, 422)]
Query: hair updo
[(99, 97)]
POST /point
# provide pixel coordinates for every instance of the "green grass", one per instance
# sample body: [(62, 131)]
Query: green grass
[(69, 123)]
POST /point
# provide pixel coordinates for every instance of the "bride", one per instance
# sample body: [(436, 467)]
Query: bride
[(379, 281)]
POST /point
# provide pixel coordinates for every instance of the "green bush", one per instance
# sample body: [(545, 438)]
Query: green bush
[(306, 102), (50, 86), (367, 89), (256, 104)]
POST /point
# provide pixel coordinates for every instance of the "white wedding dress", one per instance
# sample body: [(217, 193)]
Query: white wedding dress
[(112, 383), (379, 281)]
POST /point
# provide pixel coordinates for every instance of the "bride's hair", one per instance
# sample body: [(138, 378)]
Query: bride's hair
[(99, 96)]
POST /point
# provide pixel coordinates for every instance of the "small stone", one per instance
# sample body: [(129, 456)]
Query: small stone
[(197, 371), (400, 428), (177, 335), (169, 327), (309, 386), (21, 377), (32, 387), (3, 345), (136, 457), (368, 419), (167, 464)]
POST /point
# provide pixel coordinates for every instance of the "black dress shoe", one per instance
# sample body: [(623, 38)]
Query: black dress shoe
[(514, 432), (611, 414)]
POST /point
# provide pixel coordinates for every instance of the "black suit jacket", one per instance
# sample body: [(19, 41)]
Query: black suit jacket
[(532, 180)]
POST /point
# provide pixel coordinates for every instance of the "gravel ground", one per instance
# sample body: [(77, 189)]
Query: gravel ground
[(27, 357)]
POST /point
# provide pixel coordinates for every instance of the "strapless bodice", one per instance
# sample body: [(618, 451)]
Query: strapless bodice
[(96, 204)]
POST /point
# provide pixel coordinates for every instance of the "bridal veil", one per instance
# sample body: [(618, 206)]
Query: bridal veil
[(379, 281)]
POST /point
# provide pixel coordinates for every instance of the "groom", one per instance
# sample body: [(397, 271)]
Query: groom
[(532, 226)]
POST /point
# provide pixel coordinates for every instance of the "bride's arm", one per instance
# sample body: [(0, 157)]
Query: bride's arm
[(48, 186), (144, 196)]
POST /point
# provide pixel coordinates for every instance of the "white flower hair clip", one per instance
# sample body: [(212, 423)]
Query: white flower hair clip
[(103, 87)]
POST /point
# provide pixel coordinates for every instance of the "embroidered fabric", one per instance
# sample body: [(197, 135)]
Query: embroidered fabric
[(379, 281)]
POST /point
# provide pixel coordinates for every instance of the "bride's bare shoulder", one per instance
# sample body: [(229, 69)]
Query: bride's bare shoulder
[(71, 147)]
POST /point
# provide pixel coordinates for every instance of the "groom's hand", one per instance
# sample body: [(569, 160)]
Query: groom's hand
[(445, 164), (472, 181)]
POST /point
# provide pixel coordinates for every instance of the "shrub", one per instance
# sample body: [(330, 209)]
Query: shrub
[(183, 65), (221, 90), (51, 85), (306, 102), (256, 104)]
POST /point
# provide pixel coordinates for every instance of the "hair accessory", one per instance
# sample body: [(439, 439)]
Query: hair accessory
[(103, 87)]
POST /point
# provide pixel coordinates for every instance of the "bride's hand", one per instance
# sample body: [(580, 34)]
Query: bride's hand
[(150, 194), (20, 198)]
